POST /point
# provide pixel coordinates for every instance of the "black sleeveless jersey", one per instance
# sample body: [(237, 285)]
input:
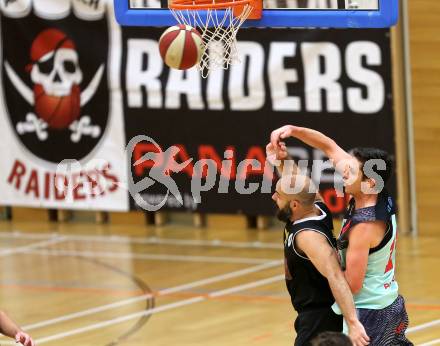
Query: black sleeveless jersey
[(308, 289)]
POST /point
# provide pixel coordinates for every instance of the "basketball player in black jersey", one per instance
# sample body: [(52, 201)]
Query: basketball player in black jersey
[(312, 269)]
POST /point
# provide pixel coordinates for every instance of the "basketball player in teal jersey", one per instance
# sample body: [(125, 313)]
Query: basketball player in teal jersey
[(367, 241)]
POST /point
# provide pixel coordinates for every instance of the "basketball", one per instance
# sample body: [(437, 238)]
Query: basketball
[(181, 47), (57, 111)]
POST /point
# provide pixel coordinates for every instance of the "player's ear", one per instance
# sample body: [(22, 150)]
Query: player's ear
[(294, 204)]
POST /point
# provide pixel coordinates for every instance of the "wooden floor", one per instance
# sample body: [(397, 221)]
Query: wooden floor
[(82, 284)]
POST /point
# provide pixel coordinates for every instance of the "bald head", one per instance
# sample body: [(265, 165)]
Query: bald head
[(297, 187)]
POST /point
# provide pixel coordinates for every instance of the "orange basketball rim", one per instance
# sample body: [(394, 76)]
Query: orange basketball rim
[(218, 24), (236, 5)]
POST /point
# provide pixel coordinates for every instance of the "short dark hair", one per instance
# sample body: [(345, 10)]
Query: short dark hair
[(366, 154), (331, 339)]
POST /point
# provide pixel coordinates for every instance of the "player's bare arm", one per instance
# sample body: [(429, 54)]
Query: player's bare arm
[(11, 329), (361, 239), (277, 158), (316, 247), (313, 138)]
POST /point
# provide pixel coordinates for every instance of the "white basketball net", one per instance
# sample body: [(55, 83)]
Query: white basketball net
[(219, 30)]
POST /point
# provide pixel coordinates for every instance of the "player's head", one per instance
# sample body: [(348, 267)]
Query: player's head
[(331, 339), (294, 197), (370, 172)]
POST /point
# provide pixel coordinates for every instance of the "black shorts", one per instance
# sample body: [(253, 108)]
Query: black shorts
[(386, 327), (310, 323)]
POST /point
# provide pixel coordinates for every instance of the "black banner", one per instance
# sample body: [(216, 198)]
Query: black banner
[(334, 81)]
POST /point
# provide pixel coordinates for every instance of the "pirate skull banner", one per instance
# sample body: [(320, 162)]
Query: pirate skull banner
[(62, 126)]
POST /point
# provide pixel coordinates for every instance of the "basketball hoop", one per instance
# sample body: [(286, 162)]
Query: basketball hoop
[(219, 22)]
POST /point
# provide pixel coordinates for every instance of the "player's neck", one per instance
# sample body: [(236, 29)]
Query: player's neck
[(305, 213), (365, 200)]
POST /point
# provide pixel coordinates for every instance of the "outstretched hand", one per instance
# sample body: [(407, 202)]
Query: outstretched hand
[(273, 154), (282, 133), (24, 339)]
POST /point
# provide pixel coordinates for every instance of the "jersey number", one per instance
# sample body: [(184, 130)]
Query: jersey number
[(390, 264)]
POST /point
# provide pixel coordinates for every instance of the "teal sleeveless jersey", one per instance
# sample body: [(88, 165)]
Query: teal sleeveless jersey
[(379, 288)]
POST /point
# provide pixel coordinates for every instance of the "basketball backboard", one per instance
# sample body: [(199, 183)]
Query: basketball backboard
[(277, 13)]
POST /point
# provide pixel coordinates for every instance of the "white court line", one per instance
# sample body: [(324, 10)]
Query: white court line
[(423, 326), (244, 287), (156, 310), (27, 248), (152, 257), (430, 343), (163, 292), (33, 236), (146, 241)]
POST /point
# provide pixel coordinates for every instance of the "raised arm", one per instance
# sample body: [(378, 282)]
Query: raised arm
[(324, 258), (313, 138)]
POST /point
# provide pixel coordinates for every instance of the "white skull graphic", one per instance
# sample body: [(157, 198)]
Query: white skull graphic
[(57, 72)]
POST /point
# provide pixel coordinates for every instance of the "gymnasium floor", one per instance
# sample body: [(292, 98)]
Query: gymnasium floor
[(82, 284)]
